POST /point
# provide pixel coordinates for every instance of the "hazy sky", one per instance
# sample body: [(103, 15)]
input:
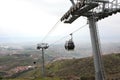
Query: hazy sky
[(31, 20)]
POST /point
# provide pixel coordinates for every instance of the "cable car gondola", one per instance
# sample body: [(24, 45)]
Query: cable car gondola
[(69, 45)]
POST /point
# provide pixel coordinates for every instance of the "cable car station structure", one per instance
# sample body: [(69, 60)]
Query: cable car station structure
[(94, 10)]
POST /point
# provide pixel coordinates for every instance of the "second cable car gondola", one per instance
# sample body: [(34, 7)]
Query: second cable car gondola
[(69, 45)]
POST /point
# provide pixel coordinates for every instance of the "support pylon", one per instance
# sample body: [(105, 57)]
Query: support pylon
[(43, 46), (99, 74)]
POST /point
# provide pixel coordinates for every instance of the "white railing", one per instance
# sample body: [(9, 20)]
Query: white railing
[(111, 6)]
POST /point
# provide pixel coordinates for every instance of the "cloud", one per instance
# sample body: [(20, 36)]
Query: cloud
[(53, 7), (23, 18), (34, 18)]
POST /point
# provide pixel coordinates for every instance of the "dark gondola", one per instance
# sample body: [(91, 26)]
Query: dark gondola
[(69, 45)]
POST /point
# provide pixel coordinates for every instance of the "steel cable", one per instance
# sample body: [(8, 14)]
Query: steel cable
[(50, 31), (68, 34)]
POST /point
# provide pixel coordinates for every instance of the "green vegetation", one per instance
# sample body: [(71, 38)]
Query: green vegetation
[(9, 62), (47, 78), (73, 69)]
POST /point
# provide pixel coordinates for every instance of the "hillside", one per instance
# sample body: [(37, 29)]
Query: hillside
[(12, 64), (84, 67), (76, 69)]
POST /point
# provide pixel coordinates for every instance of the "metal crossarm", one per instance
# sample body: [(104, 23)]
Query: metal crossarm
[(101, 9), (81, 11), (106, 14), (71, 10), (77, 11)]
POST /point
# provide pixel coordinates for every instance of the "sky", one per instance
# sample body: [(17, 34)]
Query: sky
[(31, 20)]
